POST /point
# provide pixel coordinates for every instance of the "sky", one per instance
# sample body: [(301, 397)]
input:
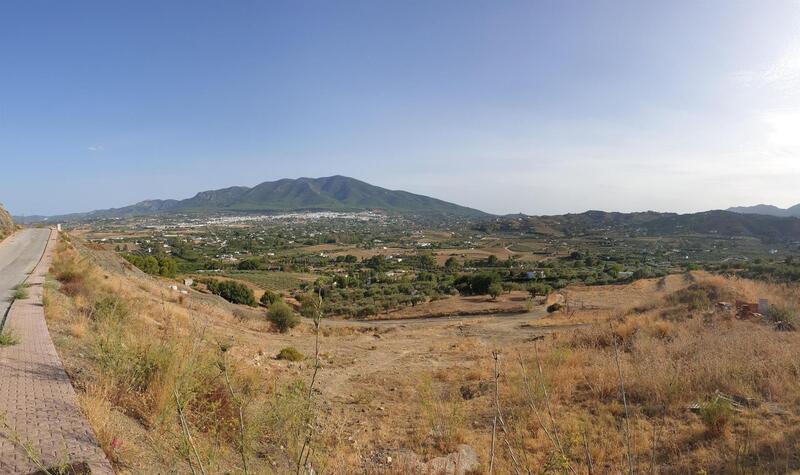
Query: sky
[(540, 107)]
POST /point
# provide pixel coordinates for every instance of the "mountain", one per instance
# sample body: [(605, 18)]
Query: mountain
[(335, 193), (6, 223), (768, 210), (603, 224), (725, 223)]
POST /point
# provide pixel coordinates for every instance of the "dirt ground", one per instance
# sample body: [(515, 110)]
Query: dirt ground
[(371, 370)]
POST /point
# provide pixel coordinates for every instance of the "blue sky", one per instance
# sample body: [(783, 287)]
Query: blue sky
[(508, 106)]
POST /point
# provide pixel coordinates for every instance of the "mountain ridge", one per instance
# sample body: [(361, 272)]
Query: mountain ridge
[(768, 210), (650, 223), (333, 193)]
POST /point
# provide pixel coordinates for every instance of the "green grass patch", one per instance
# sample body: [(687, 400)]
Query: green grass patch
[(8, 338), (20, 292), (290, 353)]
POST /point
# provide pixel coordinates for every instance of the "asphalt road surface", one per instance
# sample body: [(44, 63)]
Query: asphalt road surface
[(18, 256)]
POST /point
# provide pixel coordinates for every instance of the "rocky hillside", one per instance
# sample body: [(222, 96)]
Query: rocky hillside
[(6, 223)]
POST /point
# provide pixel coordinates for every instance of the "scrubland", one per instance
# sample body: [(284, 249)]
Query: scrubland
[(646, 377)]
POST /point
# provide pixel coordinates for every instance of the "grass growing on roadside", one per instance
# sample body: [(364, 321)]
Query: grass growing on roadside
[(8, 338), (20, 292)]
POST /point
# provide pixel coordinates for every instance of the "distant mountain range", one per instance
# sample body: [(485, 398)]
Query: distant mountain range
[(340, 193), (601, 223), (768, 210), (334, 193)]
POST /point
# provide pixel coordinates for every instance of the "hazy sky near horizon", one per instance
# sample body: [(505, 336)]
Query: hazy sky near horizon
[(540, 107)]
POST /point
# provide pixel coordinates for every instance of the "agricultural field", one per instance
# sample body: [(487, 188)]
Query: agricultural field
[(382, 266)]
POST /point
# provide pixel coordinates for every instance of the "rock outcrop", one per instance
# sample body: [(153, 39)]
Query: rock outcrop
[(464, 461), (6, 223)]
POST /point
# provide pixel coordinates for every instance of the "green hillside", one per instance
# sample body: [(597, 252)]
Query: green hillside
[(335, 193)]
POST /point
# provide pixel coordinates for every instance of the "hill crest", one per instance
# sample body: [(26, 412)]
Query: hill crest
[(333, 193), (768, 210)]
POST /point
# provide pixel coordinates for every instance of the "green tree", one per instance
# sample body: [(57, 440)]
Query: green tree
[(452, 264), (167, 267), (309, 305), (539, 289), (269, 298), (150, 265), (476, 284), (377, 262), (282, 317), (232, 291), (248, 264), (495, 289)]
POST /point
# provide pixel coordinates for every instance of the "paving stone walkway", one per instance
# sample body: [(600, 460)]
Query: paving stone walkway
[(36, 397)]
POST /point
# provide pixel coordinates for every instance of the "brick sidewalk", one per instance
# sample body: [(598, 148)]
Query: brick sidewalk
[(36, 396)]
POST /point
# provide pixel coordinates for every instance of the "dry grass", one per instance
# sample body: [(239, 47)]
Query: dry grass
[(136, 356), (425, 388), (667, 366)]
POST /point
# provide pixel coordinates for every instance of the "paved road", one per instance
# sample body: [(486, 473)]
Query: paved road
[(18, 256), (39, 408)]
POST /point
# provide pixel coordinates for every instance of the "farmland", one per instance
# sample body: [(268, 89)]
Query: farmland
[(373, 265)]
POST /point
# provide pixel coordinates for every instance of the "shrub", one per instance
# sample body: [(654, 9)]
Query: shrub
[(68, 275), (290, 353), (248, 264), (309, 305), (698, 296), (167, 267), (8, 338), (282, 317), (495, 289), (539, 289), (71, 273), (20, 292), (110, 308), (269, 298), (232, 291), (716, 415), (476, 284), (662, 330), (783, 313), (163, 266)]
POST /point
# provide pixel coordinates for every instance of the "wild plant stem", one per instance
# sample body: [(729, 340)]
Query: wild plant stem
[(30, 452), (624, 402), (188, 434), (553, 433), (240, 404), (499, 413), (589, 464), (305, 451)]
